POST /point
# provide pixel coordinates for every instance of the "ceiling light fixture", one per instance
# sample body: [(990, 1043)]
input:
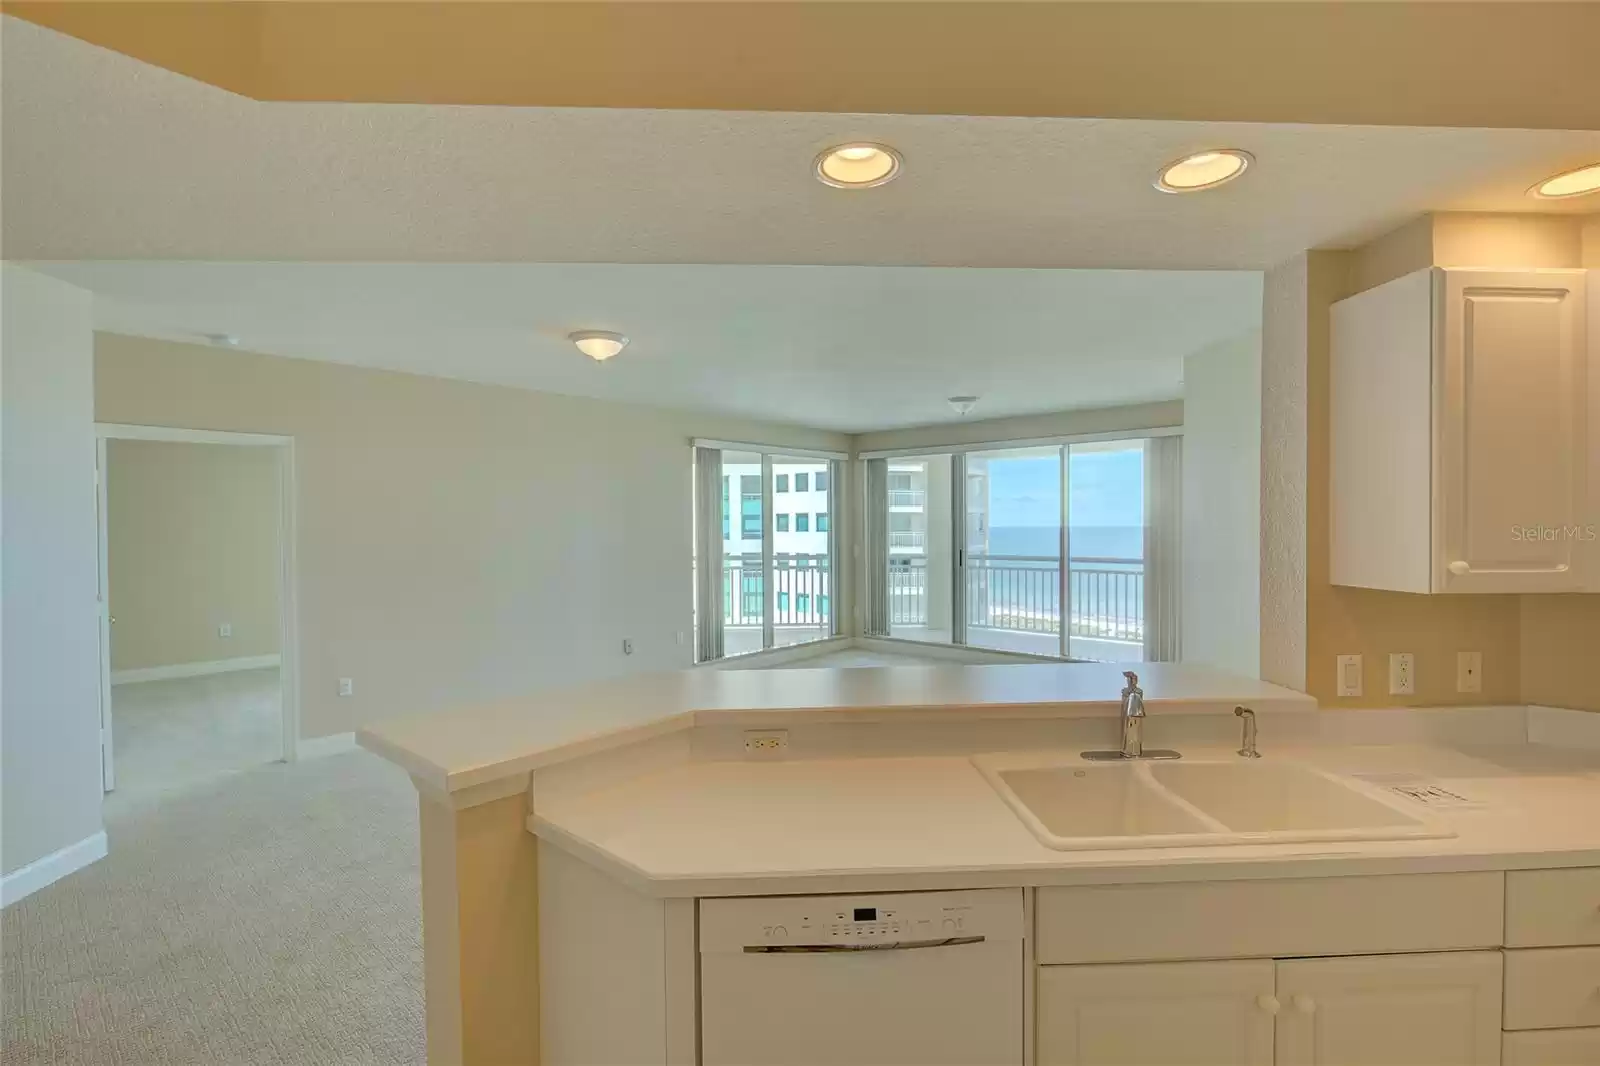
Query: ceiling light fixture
[(598, 344), (1579, 182), (1203, 170), (859, 165), (962, 405)]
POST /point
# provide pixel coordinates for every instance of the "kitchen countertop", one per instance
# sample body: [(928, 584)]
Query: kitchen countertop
[(456, 750), (738, 827)]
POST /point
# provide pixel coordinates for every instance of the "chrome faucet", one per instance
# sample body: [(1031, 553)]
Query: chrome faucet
[(1248, 742), (1132, 716)]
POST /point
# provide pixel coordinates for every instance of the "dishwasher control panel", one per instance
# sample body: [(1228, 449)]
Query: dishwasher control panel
[(738, 924)]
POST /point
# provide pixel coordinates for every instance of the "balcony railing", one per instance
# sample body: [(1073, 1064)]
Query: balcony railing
[(1022, 593), (914, 540), (907, 497), (800, 582)]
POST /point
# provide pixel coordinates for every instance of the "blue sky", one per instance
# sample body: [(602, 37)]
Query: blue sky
[(1106, 490)]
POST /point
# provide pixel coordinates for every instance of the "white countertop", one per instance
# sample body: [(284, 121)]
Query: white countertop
[(455, 750), (880, 824)]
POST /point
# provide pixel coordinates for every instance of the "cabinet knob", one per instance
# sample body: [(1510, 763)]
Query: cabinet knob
[(1460, 567), (1269, 1004), (1305, 1004)]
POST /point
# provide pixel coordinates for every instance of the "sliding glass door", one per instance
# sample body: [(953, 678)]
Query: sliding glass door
[(766, 537), (1062, 550)]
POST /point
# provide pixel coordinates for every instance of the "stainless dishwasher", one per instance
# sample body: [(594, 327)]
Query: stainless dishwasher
[(897, 979)]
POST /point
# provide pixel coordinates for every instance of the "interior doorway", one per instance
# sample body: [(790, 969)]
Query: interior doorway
[(198, 655)]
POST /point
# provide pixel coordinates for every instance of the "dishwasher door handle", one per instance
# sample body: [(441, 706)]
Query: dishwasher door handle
[(842, 949)]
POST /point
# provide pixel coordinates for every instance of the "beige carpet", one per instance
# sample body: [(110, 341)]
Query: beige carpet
[(268, 917)]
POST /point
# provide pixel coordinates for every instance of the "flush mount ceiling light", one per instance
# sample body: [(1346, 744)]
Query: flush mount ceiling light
[(1203, 170), (962, 405), (860, 165), (1579, 182), (598, 344)]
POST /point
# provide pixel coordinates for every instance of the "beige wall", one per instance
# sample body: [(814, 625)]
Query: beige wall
[(49, 639), (457, 543), (192, 543), (1527, 642)]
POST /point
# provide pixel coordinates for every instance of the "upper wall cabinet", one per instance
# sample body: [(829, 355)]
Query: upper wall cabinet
[(1465, 433)]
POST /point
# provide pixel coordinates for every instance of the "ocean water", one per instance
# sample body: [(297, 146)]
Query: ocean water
[(1107, 542)]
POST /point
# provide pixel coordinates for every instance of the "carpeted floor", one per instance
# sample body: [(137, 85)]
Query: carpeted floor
[(271, 916), (170, 736)]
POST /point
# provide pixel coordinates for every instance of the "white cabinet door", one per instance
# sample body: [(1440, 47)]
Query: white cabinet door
[(1156, 1014), (1512, 452), (1390, 1010)]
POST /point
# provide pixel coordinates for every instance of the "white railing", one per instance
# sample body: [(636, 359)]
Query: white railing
[(907, 497), (908, 540), (801, 584), (1022, 594)]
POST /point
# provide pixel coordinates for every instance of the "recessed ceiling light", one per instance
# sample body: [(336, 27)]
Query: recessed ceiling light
[(1203, 170), (860, 165), (598, 344), (1578, 182)]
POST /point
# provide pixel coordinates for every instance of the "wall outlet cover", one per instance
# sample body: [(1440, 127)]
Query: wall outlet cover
[(347, 686), (1469, 671), (225, 630), (1402, 674), (766, 742)]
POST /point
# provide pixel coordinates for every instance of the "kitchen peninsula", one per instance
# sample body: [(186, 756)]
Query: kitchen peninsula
[(598, 867)]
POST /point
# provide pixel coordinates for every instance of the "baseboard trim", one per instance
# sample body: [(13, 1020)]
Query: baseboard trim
[(217, 666), (317, 747), (53, 867)]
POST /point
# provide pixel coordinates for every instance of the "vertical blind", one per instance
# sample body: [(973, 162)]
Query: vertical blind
[(875, 546), (708, 554), (1163, 545)]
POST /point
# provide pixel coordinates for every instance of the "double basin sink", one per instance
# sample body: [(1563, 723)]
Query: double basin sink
[(1070, 804)]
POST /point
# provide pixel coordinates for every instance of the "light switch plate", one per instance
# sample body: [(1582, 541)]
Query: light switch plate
[(1469, 671), (1402, 674), (1349, 675), (225, 630), (347, 686)]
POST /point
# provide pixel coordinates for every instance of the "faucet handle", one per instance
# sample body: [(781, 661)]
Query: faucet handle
[(1133, 682)]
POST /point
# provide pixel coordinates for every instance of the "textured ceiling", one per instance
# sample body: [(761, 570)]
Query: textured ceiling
[(845, 348), (107, 158)]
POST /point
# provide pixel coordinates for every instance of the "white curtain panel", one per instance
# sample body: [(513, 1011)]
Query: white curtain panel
[(875, 549), (1163, 546), (708, 554)]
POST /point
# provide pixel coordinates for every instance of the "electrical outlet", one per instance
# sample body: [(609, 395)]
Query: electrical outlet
[(1402, 674), (347, 686), (766, 742), (225, 630), (1469, 671), (1349, 675)]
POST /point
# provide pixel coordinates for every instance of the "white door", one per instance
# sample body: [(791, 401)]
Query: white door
[(103, 605), (1510, 510), (1390, 1010), (1156, 1014)]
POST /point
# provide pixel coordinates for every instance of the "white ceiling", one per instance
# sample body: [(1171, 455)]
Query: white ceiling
[(845, 348), (107, 158)]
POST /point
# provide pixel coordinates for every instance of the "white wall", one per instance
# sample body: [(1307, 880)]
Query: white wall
[(49, 638), (457, 543), (1222, 505)]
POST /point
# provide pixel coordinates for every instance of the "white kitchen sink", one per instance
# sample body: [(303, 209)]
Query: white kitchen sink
[(1071, 805)]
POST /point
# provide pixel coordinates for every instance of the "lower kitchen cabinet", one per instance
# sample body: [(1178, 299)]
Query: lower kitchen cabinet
[(1372, 1010), (1552, 1047), (1384, 1010), (1156, 1014)]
